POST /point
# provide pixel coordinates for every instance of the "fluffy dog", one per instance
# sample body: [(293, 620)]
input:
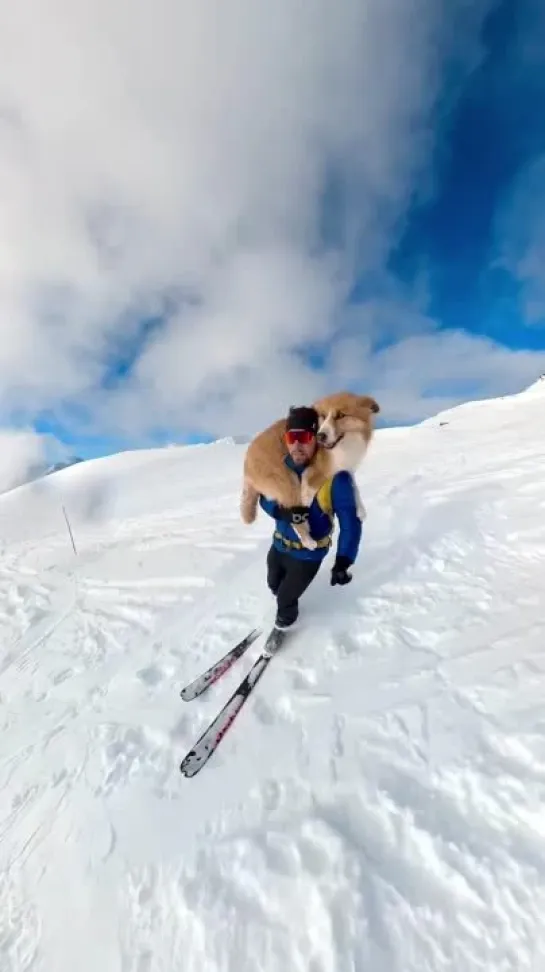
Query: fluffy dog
[(344, 433)]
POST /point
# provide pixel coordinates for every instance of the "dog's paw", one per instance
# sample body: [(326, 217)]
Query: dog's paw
[(306, 540), (307, 495)]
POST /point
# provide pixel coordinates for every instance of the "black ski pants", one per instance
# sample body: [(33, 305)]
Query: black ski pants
[(288, 578)]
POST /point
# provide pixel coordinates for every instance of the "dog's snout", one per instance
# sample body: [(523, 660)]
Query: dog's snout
[(322, 437)]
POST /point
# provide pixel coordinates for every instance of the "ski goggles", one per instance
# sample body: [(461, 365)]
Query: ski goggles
[(304, 436)]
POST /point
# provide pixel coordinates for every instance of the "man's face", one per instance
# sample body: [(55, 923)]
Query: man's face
[(302, 451)]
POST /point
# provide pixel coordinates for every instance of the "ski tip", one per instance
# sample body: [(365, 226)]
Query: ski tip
[(194, 761), (203, 682)]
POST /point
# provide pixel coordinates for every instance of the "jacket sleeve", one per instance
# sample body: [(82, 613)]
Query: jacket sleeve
[(345, 509), (269, 506)]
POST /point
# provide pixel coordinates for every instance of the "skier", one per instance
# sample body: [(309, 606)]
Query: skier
[(291, 567)]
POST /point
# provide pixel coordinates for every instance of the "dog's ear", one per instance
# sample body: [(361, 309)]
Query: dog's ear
[(365, 401)]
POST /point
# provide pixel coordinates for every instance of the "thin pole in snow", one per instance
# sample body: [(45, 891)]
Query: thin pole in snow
[(69, 530)]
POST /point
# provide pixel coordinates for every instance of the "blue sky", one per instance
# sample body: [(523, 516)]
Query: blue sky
[(496, 128), (370, 216)]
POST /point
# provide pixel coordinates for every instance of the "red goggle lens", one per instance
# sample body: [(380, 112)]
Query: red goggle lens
[(304, 436)]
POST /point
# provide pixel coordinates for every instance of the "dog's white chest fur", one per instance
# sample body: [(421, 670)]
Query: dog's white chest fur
[(348, 453)]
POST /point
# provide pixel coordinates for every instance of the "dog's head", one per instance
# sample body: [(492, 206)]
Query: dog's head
[(345, 415)]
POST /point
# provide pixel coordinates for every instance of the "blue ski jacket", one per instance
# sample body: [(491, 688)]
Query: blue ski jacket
[(336, 498)]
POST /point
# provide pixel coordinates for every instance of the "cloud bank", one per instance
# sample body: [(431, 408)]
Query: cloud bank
[(228, 170), (20, 453)]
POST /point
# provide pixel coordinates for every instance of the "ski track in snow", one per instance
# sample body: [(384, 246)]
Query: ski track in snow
[(378, 804)]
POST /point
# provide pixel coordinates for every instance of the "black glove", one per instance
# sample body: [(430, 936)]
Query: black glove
[(292, 514), (339, 572)]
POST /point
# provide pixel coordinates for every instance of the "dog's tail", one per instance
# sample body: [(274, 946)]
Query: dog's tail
[(248, 502)]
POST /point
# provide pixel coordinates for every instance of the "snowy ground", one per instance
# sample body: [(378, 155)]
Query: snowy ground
[(379, 804)]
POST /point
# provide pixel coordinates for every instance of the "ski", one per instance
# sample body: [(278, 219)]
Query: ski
[(207, 744), (219, 668)]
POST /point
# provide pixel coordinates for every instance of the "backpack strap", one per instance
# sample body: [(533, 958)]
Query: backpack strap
[(324, 499)]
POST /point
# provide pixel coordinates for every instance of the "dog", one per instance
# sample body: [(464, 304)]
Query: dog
[(344, 432)]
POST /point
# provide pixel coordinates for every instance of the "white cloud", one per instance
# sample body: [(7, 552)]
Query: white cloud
[(183, 149), (436, 369), (20, 451)]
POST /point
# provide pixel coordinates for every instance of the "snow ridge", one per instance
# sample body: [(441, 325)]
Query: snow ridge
[(378, 804)]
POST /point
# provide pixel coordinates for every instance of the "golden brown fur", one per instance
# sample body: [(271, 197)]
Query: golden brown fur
[(344, 415)]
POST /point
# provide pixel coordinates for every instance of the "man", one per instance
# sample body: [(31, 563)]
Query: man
[(290, 566)]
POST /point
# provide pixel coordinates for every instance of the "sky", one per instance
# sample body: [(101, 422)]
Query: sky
[(212, 211)]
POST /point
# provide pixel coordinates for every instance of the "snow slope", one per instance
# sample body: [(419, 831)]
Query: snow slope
[(379, 804)]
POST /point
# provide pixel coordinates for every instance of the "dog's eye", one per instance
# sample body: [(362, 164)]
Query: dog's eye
[(340, 415)]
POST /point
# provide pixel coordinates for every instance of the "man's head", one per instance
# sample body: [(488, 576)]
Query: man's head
[(301, 431)]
